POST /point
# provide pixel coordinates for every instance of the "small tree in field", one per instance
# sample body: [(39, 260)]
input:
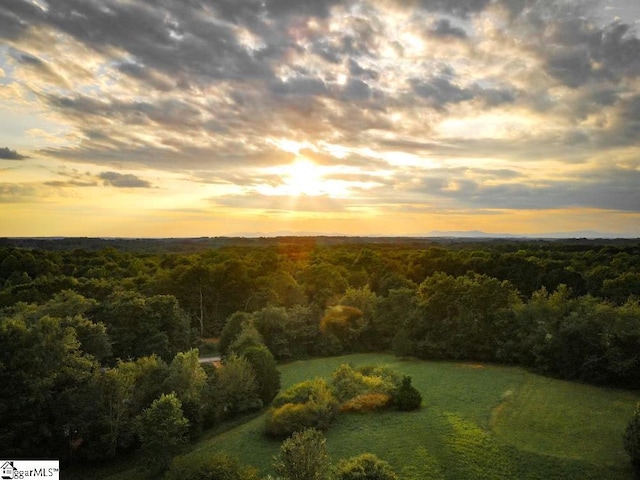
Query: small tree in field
[(406, 397), (365, 467), (162, 429), (303, 456), (632, 440)]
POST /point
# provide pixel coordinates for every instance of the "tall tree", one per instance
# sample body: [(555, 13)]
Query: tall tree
[(266, 372)]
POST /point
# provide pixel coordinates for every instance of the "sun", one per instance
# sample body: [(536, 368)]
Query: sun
[(303, 177)]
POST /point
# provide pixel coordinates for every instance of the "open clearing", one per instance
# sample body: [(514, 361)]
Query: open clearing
[(477, 422)]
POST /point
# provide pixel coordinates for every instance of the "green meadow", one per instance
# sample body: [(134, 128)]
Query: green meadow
[(477, 422)]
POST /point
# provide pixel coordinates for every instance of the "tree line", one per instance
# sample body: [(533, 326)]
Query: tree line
[(93, 337)]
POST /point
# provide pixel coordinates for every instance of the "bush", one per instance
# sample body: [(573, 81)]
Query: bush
[(367, 402), (364, 467), (406, 397), (291, 417), (301, 392), (217, 467), (304, 405), (349, 383), (304, 456), (632, 440)]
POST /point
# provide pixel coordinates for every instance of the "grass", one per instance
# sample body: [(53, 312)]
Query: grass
[(477, 422)]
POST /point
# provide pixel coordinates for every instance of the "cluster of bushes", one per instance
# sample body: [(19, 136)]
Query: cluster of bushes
[(315, 403), (303, 456), (308, 404)]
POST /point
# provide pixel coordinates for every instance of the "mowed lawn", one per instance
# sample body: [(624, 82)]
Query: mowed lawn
[(477, 422)]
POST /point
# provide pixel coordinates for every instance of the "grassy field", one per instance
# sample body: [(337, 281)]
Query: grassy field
[(477, 422)]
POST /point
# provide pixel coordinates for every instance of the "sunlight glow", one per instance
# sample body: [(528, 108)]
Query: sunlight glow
[(304, 177)]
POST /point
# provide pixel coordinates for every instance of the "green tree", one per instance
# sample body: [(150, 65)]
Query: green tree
[(407, 397), (232, 329), (323, 283), (140, 326), (235, 389), (364, 300), (46, 378), (303, 330), (393, 311), (344, 323), (304, 456), (186, 378), (247, 338), (72, 309), (463, 317), (632, 440), (272, 323), (364, 467), (266, 371), (121, 393), (162, 429)]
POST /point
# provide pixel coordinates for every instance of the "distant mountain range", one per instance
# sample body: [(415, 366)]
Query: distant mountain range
[(480, 234), (591, 234)]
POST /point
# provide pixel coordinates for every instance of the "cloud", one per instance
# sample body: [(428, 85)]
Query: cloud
[(444, 29), (70, 183), (17, 193), (123, 180), (440, 91), (603, 188), (475, 94), (279, 203), (8, 154)]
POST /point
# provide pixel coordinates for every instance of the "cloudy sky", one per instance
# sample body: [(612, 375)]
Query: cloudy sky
[(397, 117)]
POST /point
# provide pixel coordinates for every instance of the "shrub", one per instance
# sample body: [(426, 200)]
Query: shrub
[(364, 467), (406, 397), (391, 378), (217, 467), (304, 456), (349, 383), (304, 405), (367, 402), (290, 417), (302, 392)]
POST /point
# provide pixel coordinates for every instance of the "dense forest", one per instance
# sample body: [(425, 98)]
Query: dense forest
[(93, 332)]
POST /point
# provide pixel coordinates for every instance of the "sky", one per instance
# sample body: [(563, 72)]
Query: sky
[(188, 118)]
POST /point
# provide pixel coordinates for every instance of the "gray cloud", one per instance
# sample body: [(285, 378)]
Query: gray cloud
[(444, 29), (203, 85), (303, 86), (606, 188), (123, 180), (461, 8), (440, 91), (70, 183), (7, 154), (17, 193), (356, 90)]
